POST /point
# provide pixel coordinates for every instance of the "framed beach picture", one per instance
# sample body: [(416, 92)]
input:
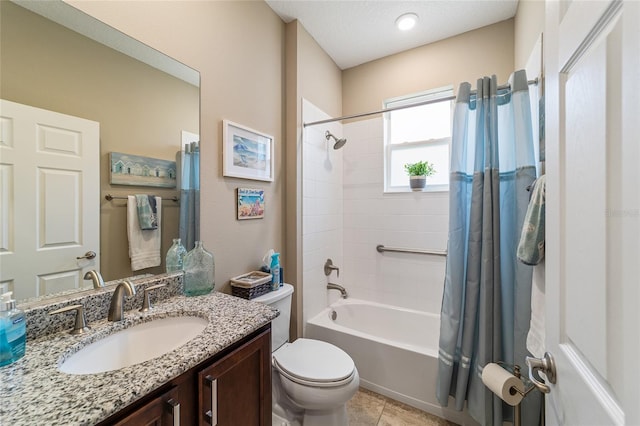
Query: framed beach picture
[(127, 169), (246, 153), (250, 203)]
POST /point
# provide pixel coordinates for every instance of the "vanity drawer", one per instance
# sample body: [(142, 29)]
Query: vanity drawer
[(163, 410)]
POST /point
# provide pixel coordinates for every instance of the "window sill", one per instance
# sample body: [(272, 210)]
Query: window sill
[(406, 189)]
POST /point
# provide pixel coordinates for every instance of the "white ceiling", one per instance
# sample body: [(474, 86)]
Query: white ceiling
[(353, 32)]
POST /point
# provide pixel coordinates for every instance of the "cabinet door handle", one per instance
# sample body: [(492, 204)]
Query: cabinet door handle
[(213, 413), (174, 407)]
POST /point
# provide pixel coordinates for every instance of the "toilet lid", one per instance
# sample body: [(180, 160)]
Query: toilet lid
[(314, 361)]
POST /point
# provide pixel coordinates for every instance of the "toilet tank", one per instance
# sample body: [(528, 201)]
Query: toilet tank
[(281, 300)]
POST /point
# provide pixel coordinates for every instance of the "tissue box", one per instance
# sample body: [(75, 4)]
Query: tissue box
[(251, 284)]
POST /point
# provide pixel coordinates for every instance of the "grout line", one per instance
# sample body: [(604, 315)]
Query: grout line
[(381, 411), (386, 400)]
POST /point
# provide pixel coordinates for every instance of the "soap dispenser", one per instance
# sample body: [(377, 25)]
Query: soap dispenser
[(13, 330)]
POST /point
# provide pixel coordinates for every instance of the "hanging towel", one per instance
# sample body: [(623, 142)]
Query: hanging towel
[(531, 246), (144, 246), (536, 335), (147, 211)]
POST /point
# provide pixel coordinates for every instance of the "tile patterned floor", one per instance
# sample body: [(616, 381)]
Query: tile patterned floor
[(368, 408)]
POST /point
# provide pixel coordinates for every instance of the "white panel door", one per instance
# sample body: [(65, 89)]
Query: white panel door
[(49, 190), (593, 214)]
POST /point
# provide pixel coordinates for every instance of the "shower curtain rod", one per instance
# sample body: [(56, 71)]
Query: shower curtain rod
[(382, 111)]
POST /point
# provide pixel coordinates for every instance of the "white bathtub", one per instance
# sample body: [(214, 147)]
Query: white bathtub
[(395, 350)]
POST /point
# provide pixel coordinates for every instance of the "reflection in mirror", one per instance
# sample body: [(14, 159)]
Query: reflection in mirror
[(137, 109)]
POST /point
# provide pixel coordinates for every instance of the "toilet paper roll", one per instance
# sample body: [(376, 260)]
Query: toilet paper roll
[(500, 382)]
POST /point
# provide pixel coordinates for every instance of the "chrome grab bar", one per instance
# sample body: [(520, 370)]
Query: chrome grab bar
[(381, 248)]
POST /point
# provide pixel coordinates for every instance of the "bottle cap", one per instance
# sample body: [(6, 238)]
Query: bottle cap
[(6, 302)]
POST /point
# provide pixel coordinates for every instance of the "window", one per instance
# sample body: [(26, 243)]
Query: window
[(418, 133)]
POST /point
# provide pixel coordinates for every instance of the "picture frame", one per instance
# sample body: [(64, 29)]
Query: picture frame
[(250, 203), (136, 170), (246, 153)]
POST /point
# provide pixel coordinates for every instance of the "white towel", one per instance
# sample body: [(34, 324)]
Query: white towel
[(535, 338), (144, 246)]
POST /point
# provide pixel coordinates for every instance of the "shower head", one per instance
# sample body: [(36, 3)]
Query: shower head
[(339, 142)]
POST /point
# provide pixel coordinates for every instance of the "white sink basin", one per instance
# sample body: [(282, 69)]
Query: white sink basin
[(134, 345)]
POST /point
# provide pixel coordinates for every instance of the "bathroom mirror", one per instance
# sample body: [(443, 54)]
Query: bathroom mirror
[(144, 101)]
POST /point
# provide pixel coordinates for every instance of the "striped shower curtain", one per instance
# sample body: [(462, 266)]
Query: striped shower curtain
[(486, 302)]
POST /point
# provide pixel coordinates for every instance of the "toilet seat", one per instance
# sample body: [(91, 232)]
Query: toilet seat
[(314, 363)]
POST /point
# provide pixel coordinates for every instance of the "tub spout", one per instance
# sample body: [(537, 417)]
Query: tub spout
[(343, 291)]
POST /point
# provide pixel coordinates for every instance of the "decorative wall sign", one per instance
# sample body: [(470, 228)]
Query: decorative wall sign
[(246, 153), (136, 170), (250, 203)]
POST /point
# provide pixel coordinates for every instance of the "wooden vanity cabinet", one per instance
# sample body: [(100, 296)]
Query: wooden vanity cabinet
[(236, 382), (236, 390)]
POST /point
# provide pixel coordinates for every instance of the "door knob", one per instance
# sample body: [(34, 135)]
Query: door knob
[(88, 255), (546, 365)]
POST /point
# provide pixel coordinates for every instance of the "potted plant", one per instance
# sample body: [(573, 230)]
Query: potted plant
[(418, 173)]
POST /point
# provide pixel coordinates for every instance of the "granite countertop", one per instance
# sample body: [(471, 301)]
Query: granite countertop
[(33, 391)]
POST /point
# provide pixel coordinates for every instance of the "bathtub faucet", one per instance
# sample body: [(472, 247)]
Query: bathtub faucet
[(343, 292), (329, 266)]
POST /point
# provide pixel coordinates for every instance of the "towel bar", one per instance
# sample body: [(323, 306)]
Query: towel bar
[(110, 197)]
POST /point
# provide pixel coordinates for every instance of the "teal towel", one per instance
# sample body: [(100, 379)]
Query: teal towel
[(531, 246), (147, 212)]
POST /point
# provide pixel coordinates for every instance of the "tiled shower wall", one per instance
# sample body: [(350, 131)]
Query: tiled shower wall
[(407, 219), (322, 215), (345, 214)]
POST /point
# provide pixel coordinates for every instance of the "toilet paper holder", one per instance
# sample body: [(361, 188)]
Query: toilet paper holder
[(517, 420), (516, 372)]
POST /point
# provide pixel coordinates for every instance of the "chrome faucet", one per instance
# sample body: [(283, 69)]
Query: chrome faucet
[(343, 291), (116, 309), (94, 276)]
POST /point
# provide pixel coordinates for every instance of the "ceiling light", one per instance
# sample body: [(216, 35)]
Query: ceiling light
[(407, 21)]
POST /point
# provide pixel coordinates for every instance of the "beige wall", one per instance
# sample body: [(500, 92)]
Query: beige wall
[(310, 74), (529, 24), (248, 59), (466, 57), (141, 111), (238, 48), (321, 79)]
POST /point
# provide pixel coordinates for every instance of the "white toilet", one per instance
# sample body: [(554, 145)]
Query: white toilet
[(312, 380)]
